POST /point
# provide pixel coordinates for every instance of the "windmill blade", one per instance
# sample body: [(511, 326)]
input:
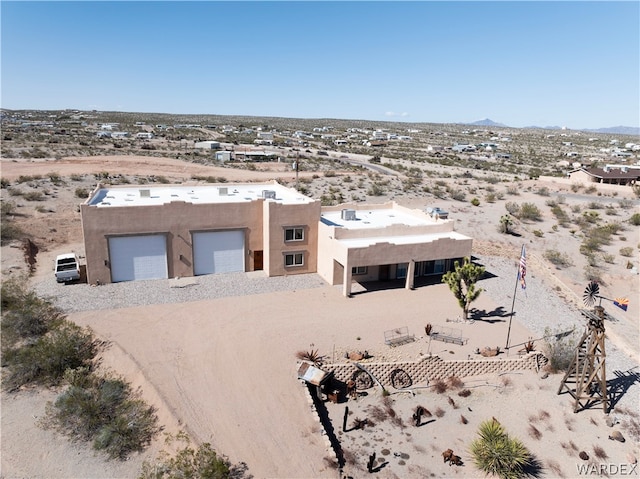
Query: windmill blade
[(591, 292)]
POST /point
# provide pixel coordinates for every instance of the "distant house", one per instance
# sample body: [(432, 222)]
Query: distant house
[(144, 135), (607, 175), (208, 145), (223, 156)]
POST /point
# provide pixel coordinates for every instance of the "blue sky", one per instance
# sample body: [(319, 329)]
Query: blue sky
[(574, 64)]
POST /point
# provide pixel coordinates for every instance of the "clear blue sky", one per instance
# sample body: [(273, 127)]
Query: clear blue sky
[(574, 64)]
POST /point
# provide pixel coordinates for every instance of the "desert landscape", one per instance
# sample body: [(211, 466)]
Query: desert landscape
[(224, 369)]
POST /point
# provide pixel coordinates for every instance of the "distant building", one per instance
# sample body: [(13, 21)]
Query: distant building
[(208, 145), (607, 175)]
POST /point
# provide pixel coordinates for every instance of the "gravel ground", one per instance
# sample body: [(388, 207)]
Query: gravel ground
[(539, 308)]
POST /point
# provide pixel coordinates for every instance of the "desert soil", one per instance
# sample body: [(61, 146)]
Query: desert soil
[(224, 370)]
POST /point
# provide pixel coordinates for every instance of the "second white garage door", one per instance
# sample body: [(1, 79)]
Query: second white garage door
[(218, 252), (138, 257)]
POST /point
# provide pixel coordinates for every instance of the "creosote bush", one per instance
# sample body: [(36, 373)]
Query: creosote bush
[(104, 410), (559, 349)]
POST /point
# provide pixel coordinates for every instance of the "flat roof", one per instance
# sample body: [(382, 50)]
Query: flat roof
[(145, 195), (402, 240), (375, 218)]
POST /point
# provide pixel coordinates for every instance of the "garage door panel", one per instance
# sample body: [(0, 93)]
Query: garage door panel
[(138, 257), (218, 252)]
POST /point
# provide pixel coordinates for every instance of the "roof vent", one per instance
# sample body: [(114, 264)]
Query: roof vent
[(348, 215), (606, 169), (269, 194), (223, 191), (145, 193), (624, 169)]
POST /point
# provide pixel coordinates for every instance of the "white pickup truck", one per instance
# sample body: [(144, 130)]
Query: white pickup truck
[(67, 268)]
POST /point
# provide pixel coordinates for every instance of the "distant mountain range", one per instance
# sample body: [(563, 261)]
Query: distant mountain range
[(619, 130)]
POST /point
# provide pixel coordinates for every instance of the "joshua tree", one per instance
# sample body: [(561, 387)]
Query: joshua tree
[(462, 283), (505, 224)]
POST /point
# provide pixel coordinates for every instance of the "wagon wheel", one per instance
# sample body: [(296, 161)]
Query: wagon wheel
[(400, 379), (362, 380)]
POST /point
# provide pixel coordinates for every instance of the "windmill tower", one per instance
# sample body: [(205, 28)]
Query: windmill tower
[(585, 379)]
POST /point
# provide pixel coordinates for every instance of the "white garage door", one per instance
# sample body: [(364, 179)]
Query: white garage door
[(218, 252), (138, 257)]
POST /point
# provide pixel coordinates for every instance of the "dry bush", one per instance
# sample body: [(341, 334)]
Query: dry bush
[(505, 381), (378, 413), (349, 457), (455, 382), (439, 412), (534, 432), (464, 393), (599, 452), (463, 419), (440, 386), (451, 402), (543, 415), (555, 467)]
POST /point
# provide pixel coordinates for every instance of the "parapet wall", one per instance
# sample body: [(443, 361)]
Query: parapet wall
[(433, 368)]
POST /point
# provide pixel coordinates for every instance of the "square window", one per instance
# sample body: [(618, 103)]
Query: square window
[(359, 270), (294, 259), (294, 234)]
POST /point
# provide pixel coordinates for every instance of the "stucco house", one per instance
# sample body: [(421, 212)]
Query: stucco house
[(385, 242), (153, 232), (607, 175)]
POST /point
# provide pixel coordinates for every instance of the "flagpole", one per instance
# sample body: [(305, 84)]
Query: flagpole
[(513, 303)]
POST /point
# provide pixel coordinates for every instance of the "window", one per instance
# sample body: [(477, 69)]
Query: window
[(359, 270), (401, 270), (294, 259), (294, 234)]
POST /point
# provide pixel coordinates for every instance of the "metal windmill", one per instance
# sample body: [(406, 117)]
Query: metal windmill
[(585, 379)]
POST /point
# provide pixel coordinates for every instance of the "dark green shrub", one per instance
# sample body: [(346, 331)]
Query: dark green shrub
[(201, 463), (82, 193), (45, 360), (529, 211), (635, 219), (24, 314), (475, 202), (104, 410), (9, 231), (33, 196), (561, 260)]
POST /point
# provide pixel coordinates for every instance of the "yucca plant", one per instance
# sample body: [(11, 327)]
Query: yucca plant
[(494, 452)]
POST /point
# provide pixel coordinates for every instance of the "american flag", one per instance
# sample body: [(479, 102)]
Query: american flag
[(522, 271)]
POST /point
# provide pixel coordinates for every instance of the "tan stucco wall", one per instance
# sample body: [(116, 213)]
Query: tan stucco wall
[(332, 250), (262, 221), (277, 217)]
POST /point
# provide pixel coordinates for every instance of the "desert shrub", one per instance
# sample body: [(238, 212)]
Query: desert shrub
[(608, 258), (104, 410), (512, 208), (543, 191), (591, 189), (76, 177), (201, 463), (55, 178), (538, 233), (33, 196), (627, 251), (513, 190), (494, 452), (555, 257), (458, 195), (9, 231), (440, 386), (24, 315), (560, 214), (635, 219), (376, 189), (45, 360), (593, 273), (464, 393), (329, 174), (575, 187), (529, 211), (559, 349), (82, 193), (475, 202), (490, 198)]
